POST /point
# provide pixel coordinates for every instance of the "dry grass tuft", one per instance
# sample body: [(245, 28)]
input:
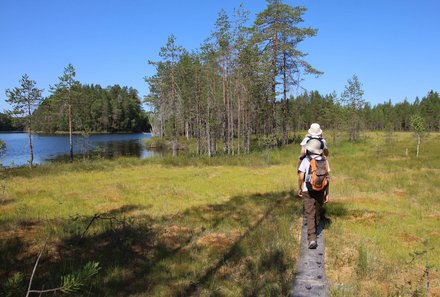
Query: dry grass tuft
[(220, 241)]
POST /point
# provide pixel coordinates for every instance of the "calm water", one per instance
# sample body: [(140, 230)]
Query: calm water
[(56, 147)]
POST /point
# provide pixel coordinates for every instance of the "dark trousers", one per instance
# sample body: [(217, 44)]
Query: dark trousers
[(313, 202)]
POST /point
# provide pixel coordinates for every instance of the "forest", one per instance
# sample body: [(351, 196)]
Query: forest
[(102, 111), (240, 83), (95, 109)]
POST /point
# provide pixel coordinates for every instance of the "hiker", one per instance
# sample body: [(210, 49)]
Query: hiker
[(314, 132), (313, 186)]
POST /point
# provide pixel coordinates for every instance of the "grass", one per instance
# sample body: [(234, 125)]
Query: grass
[(162, 227), (226, 226), (386, 209)]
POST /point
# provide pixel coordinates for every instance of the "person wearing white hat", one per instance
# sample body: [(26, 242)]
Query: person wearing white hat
[(313, 200), (315, 132)]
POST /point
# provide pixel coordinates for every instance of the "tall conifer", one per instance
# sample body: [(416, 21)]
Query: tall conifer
[(25, 99)]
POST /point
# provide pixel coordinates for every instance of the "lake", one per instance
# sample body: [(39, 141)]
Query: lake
[(56, 147)]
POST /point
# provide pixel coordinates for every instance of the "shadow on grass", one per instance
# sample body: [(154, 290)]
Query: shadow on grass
[(6, 201), (332, 209), (9, 248), (172, 255)]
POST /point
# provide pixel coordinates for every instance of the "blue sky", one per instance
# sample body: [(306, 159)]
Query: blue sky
[(392, 45)]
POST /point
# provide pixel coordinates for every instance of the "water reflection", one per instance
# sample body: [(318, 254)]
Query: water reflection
[(56, 147), (114, 149)]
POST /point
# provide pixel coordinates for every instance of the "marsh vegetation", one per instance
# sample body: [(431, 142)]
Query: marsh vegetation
[(225, 226)]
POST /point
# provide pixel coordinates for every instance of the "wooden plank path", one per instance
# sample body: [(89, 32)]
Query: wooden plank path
[(310, 279)]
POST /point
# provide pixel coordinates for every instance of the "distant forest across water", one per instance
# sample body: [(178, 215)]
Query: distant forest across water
[(119, 109), (95, 109)]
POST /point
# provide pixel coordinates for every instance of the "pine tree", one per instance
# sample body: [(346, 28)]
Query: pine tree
[(352, 97), (171, 53), (67, 86), (418, 126), (222, 36), (25, 99), (278, 36)]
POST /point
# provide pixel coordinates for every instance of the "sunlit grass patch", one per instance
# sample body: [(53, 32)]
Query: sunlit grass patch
[(207, 226), (389, 200), (156, 228)]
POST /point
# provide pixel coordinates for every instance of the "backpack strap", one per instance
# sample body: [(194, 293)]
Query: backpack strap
[(309, 155), (317, 138)]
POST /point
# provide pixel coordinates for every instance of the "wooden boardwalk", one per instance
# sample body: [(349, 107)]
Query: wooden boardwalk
[(310, 279)]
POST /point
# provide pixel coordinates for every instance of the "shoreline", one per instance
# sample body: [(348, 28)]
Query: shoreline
[(74, 133)]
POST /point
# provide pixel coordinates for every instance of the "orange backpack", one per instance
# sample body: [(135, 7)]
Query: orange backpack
[(317, 177)]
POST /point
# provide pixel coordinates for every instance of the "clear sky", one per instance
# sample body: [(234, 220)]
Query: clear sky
[(392, 46)]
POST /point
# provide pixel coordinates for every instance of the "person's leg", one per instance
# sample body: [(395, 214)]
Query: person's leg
[(310, 210), (319, 201)]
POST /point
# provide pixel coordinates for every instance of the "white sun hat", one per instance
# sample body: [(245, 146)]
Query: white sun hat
[(315, 130), (314, 146)]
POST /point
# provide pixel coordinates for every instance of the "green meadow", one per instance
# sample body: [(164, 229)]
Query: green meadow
[(225, 226), (383, 238)]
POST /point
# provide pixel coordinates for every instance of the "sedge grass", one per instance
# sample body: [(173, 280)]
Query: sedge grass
[(161, 225), (192, 224), (391, 214)]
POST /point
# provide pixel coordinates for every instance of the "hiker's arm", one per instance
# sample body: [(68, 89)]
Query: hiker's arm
[(302, 153), (301, 176), (327, 194), (325, 149)]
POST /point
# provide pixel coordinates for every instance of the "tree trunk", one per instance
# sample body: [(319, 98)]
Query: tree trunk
[(162, 124), (231, 125), (274, 106), (247, 128), (208, 138), (31, 150), (274, 82), (284, 141), (229, 108), (174, 107), (69, 103), (238, 124), (208, 128), (418, 145), (198, 121), (226, 112)]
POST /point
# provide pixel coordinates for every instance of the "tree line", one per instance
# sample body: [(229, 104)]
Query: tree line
[(333, 113), (239, 83), (111, 109), (9, 123), (303, 110), (235, 85), (93, 109), (96, 109)]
